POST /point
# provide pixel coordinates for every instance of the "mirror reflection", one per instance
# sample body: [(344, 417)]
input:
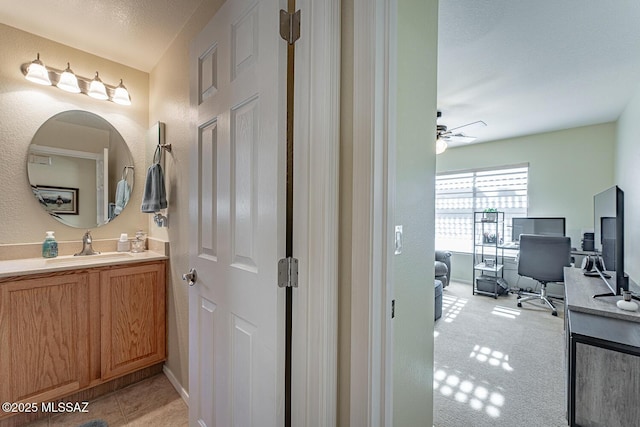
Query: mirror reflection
[(80, 169)]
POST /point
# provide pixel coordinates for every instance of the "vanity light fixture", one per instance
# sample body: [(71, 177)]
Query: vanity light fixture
[(67, 80), (121, 95), (97, 89), (37, 73)]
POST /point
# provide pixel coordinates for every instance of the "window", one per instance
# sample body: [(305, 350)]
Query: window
[(459, 194)]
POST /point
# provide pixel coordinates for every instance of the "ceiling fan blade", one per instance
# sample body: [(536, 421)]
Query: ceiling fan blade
[(458, 137), (469, 127)]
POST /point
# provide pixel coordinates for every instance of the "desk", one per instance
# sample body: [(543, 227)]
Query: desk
[(583, 253), (603, 355)]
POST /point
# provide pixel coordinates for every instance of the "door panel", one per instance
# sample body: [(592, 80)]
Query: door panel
[(244, 125), (202, 390), (208, 215), (242, 372), (244, 42)]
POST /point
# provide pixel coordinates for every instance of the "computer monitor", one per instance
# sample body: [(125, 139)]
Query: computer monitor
[(545, 226), (608, 221)]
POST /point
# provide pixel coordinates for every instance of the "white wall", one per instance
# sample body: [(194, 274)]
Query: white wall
[(627, 173), (566, 168)]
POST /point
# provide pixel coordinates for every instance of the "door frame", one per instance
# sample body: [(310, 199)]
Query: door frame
[(374, 112), (317, 142)]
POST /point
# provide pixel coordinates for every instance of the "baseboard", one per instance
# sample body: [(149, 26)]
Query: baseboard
[(176, 384)]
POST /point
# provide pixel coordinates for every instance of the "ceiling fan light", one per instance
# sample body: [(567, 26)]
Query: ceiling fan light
[(441, 146), (37, 72), (97, 89), (68, 81), (121, 95)]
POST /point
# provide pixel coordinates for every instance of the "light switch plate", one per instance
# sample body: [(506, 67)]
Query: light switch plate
[(398, 240)]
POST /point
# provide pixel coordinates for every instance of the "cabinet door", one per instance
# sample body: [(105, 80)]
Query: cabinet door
[(133, 318), (44, 336)]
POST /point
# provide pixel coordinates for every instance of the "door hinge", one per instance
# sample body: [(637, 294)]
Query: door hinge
[(288, 273), (393, 308), (290, 26)]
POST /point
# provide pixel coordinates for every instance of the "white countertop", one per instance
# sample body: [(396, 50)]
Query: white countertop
[(21, 267)]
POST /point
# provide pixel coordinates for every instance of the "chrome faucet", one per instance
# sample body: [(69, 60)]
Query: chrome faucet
[(86, 246)]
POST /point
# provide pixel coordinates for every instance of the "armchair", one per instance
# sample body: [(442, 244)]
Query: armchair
[(443, 267), (543, 259)]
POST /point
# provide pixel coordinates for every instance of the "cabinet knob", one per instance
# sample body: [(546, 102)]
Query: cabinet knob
[(191, 277)]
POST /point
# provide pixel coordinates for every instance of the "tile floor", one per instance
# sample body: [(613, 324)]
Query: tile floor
[(151, 402)]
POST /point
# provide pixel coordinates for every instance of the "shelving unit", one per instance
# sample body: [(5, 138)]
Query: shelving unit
[(488, 252)]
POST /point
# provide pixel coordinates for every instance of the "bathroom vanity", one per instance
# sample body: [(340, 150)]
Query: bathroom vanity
[(73, 324)]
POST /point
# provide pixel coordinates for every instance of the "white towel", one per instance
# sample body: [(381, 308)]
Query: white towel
[(123, 191), (154, 197)]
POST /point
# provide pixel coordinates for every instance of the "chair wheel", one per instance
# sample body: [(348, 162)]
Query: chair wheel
[(519, 304), (555, 313)]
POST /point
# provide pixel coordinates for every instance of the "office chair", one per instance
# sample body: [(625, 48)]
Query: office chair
[(543, 259)]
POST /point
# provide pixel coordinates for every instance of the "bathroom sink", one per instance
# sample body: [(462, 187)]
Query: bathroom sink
[(87, 259)]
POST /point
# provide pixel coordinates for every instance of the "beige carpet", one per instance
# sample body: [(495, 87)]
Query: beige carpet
[(496, 364)]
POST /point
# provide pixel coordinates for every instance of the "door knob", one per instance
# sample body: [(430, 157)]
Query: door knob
[(190, 277)]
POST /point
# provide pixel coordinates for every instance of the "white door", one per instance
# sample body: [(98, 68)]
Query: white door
[(237, 218)]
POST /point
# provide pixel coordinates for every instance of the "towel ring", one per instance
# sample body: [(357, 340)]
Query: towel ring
[(125, 172), (157, 155)]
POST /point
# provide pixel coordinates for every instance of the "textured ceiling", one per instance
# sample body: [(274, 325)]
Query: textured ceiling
[(131, 32), (526, 67)]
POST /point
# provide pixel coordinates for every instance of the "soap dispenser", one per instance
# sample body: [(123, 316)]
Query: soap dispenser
[(50, 246)]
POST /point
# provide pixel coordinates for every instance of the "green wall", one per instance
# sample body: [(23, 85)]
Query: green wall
[(414, 209), (566, 168)]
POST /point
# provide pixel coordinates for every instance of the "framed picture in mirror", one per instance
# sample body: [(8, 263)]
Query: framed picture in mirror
[(59, 200)]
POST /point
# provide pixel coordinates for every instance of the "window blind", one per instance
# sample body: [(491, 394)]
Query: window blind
[(459, 194)]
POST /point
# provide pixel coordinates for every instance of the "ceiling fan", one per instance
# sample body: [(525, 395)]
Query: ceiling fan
[(457, 134)]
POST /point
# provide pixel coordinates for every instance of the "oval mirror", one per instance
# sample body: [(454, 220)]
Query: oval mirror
[(80, 169)]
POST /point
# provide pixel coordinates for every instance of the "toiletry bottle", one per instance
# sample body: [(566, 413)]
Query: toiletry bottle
[(138, 244), (50, 246), (123, 243)]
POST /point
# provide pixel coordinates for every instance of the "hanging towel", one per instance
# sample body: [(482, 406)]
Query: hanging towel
[(154, 197), (123, 191)]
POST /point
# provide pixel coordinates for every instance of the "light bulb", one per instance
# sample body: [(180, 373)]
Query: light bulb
[(121, 95), (97, 89), (441, 146), (68, 81), (37, 72)]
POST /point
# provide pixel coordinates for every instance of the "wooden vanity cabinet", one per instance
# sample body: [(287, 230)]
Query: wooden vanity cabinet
[(133, 318), (67, 331), (43, 331)]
